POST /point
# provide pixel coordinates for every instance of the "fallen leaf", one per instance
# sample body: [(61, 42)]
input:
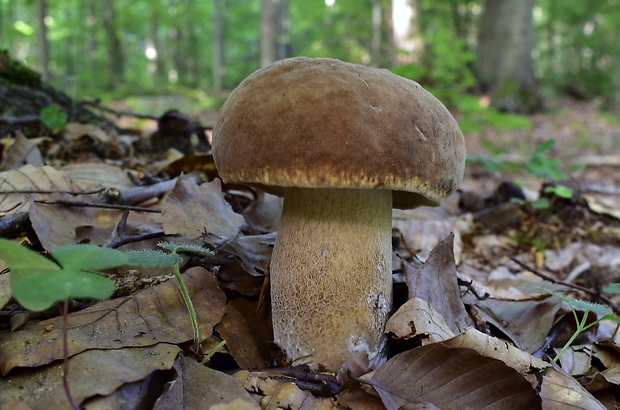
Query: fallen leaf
[(93, 372), (247, 332), (451, 378), (561, 391), (254, 252), (17, 186), (199, 387), (436, 283), (418, 318), (151, 316), (264, 212), (22, 151), (5, 289), (193, 211)]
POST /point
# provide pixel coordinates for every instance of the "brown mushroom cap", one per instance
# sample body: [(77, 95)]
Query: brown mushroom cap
[(305, 122)]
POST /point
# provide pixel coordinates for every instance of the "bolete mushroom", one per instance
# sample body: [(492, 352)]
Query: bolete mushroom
[(342, 143)]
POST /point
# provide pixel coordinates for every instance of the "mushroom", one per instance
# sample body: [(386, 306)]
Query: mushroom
[(343, 144)]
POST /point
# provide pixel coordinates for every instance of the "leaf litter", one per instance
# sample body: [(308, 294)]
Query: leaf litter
[(479, 332)]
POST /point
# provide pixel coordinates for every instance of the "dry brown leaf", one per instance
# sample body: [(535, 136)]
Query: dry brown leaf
[(451, 378), (98, 173), (192, 210), (560, 391), (237, 404), (264, 212), (22, 151), (93, 372), (17, 186), (492, 347), (151, 316), (526, 322), (198, 387), (254, 252), (418, 318), (5, 289), (436, 283), (55, 225), (247, 332)]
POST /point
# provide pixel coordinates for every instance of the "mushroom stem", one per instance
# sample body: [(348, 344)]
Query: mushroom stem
[(331, 275)]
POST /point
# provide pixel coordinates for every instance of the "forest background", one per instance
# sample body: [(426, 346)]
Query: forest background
[(512, 55)]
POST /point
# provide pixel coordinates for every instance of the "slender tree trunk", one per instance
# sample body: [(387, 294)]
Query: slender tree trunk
[(90, 11), (283, 41), (69, 44), (218, 47), (114, 58), (156, 64), (375, 45), (269, 14), (505, 67), (407, 33), (43, 45)]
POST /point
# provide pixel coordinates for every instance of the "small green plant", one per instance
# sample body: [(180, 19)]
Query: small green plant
[(155, 258), (582, 324), (53, 117), (38, 282)]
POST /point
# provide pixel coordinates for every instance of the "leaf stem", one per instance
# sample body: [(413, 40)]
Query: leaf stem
[(190, 307)]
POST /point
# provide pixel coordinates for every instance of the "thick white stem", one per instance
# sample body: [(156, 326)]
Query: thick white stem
[(331, 275)]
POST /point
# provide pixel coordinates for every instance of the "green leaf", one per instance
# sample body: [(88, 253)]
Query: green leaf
[(185, 247), (153, 259), (37, 282), (561, 191), (89, 257), (582, 304), (53, 117), (41, 291), (612, 289), (22, 261)]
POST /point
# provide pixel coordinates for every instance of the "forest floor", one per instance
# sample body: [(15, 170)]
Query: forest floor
[(505, 250)]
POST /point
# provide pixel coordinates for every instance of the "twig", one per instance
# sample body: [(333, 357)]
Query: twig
[(24, 119), (121, 238), (87, 204), (583, 289), (97, 105)]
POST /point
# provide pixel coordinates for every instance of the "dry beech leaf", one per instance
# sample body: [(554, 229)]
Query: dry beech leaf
[(264, 212), (26, 180), (495, 348), (198, 387), (55, 225), (98, 173), (5, 289), (254, 252), (451, 378), (562, 392), (148, 317), (526, 322), (418, 318), (237, 404), (192, 210), (93, 372), (247, 332), (436, 282), (22, 151)]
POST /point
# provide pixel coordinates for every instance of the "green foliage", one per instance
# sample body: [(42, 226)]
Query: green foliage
[(53, 117), (582, 324), (38, 282), (542, 166)]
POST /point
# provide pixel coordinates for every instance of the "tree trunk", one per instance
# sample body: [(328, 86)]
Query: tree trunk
[(283, 41), (156, 60), (407, 34), (114, 58), (43, 45), (505, 68), (218, 48), (269, 13), (375, 44)]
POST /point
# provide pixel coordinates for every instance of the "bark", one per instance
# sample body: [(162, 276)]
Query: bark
[(114, 58), (218, 48), (505, 68), (283, 41), (269, 14), (407, 34), (43, 44), (375, 45)]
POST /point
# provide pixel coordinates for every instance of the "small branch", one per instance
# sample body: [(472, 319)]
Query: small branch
[(24, 119), (97, 105), (86, 204), (583, 289)]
